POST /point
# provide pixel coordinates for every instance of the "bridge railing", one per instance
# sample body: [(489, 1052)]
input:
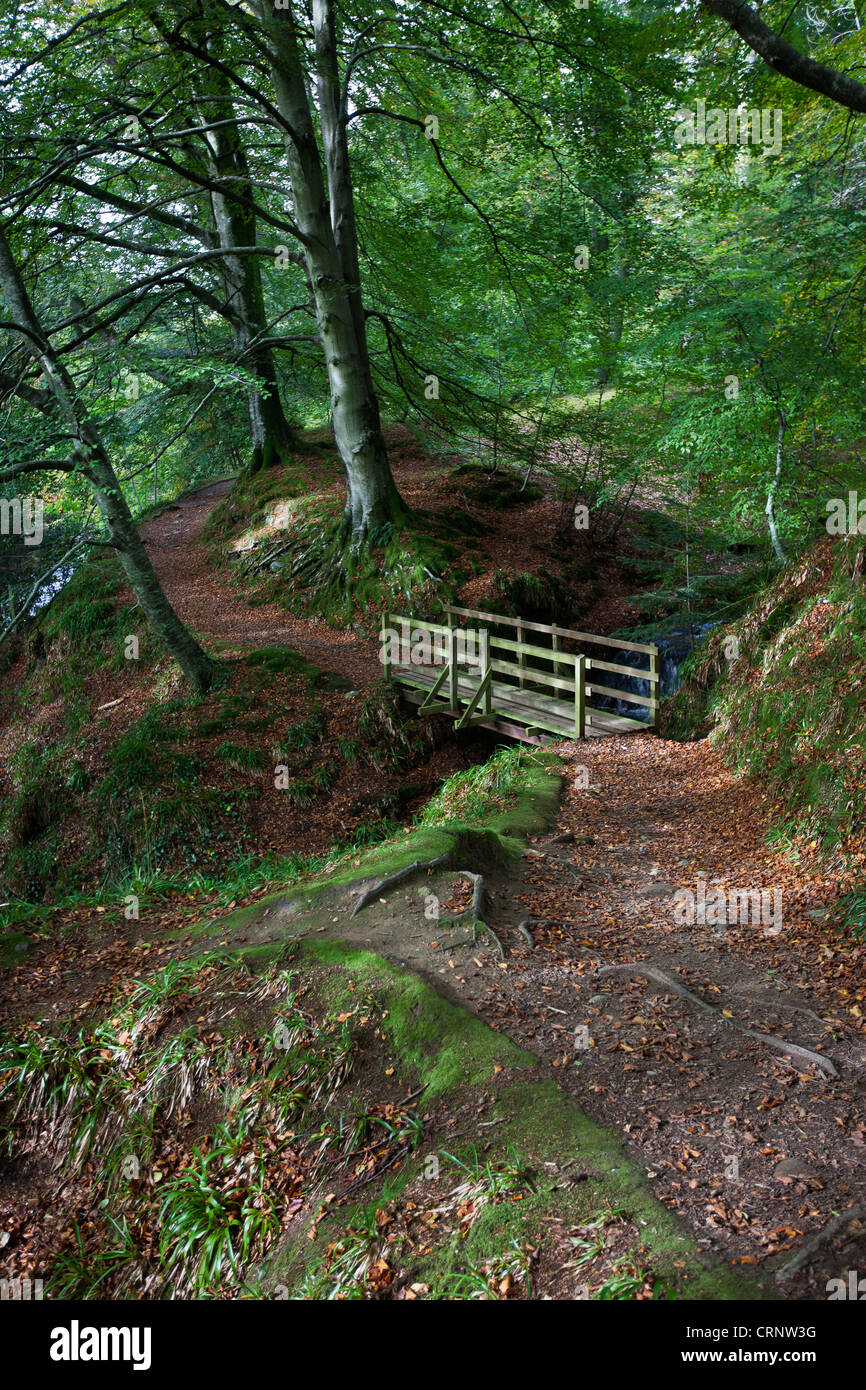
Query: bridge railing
[(547, 687), (556, 656), (422, 647)]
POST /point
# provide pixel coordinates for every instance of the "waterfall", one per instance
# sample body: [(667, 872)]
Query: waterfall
[(673, 651)]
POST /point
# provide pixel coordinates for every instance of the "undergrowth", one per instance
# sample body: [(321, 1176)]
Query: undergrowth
[(781, 693)]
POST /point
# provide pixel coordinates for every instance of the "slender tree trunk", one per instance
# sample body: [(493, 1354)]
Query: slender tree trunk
[(770, 508), (91, 460), (327, 226), (271, 435), (123, 533)]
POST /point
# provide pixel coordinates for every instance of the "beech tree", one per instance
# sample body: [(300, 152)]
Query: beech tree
[(787, 60), (162, 176)]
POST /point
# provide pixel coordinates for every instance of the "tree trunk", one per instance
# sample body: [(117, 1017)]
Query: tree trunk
[(271, 435), (123, 534), (327, 227), (91, 460), (770, 508)]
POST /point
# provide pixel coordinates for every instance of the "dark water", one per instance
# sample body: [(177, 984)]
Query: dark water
[(15, 591), (674, 649)]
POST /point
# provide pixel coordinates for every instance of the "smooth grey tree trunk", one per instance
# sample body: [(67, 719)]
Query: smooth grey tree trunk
[(770, 508), (326, 221), (272, 437)]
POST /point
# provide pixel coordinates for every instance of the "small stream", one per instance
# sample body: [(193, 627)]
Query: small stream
[(674, 649), (16, 591)]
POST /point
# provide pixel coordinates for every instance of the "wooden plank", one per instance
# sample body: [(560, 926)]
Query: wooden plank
[(554, 643), (550, 629), (383, 644), (422, 624), (500, 722), (512, 704), (528, 700), (642, 672), (511, 668), (655, 686), (483, 689), (580, 698), (645, 700), (543, 653), (534, 722), (435, 690), (453, 679), (505, 695), (524, 700), (601, 718)]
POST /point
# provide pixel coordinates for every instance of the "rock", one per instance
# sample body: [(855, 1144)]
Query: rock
[(791, 1168), (279, 515)]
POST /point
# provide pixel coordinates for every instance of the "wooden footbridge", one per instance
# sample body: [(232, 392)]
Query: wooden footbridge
[(537, 690)]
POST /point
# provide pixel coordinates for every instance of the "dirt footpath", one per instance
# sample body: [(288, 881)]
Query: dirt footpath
[(650, 1021)]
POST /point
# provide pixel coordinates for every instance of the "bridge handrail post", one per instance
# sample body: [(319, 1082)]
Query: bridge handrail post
[(452, 669), (487, 674), (654, 687), (580, 697), (554, 642), (385, 646)]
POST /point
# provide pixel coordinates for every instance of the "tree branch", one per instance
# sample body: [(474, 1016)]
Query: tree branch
[(785, 59)]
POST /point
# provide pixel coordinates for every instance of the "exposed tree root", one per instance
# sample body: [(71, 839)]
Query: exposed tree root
[(792, 1050), (476, 910), (474, 913), (393, 879), (524, 926), (805, 1253), (566, 838), (778, 1004)]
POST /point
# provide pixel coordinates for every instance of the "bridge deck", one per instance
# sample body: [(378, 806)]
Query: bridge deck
[(518, 713)]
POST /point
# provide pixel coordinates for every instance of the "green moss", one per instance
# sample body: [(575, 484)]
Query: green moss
[(413, 565), (279, 659), (445, 1046), (453, 1054)]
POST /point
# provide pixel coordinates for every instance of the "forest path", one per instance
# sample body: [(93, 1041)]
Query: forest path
[(755, 1148), (213, 608)]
